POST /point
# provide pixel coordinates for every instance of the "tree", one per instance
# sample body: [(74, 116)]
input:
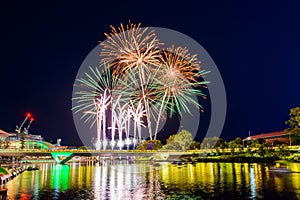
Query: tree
[(150, 145), (171, 138), (194, 145), (209, 142), (237, 144), (232, 146), (296, 140), (221, 143), (172, 143), (294, 122), (260, 146), (283, 150), (83, 148), (180, 141)]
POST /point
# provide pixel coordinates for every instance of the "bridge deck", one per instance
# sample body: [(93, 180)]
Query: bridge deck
[(92, 153)]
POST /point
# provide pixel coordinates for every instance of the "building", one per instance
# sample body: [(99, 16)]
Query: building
[(273, 137), (30, 144), (3, 135), (31, 141)]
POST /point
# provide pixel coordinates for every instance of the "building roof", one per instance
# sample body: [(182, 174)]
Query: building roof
[(272, 135), (3, 133)]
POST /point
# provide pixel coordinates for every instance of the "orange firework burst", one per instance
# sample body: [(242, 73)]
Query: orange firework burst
[(128, 47), (177, 81), (177, 63)]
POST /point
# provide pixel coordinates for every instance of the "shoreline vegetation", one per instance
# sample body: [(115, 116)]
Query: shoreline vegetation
[(216, 149), (235, 159), (237, 150)]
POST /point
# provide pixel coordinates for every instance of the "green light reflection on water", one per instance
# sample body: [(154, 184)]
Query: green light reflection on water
[(60, 176)]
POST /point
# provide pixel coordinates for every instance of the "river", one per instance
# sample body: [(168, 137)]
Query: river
[(122, 180)]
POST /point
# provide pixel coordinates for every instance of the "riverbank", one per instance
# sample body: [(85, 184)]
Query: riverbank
[(7, 174), (239, 159)]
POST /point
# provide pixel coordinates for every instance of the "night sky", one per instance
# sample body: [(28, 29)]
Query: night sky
[(255, 45)]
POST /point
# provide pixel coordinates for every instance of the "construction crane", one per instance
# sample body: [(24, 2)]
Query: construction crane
[(19, 128), (28, 126)]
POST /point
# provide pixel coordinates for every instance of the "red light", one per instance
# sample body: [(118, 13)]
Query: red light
[(28, 115), (32, 119)]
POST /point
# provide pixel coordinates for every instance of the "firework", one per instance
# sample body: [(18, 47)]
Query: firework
[(100, 104), (138, 112), (92, 86), (145, 94), (93, 100), (177, 63), (177, 82), (114, 118), (121, 115), (129, 47), (140, 81), (132, 47)]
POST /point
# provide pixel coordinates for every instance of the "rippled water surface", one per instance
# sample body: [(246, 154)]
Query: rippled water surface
[(125, 181)]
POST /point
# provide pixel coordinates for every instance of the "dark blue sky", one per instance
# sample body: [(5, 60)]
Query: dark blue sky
[(255, 44)]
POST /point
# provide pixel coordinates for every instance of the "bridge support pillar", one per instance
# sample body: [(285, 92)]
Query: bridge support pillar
[(62, 157), (161, 156)]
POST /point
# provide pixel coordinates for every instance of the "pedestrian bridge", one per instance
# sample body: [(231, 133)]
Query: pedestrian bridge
[(63, 156)]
